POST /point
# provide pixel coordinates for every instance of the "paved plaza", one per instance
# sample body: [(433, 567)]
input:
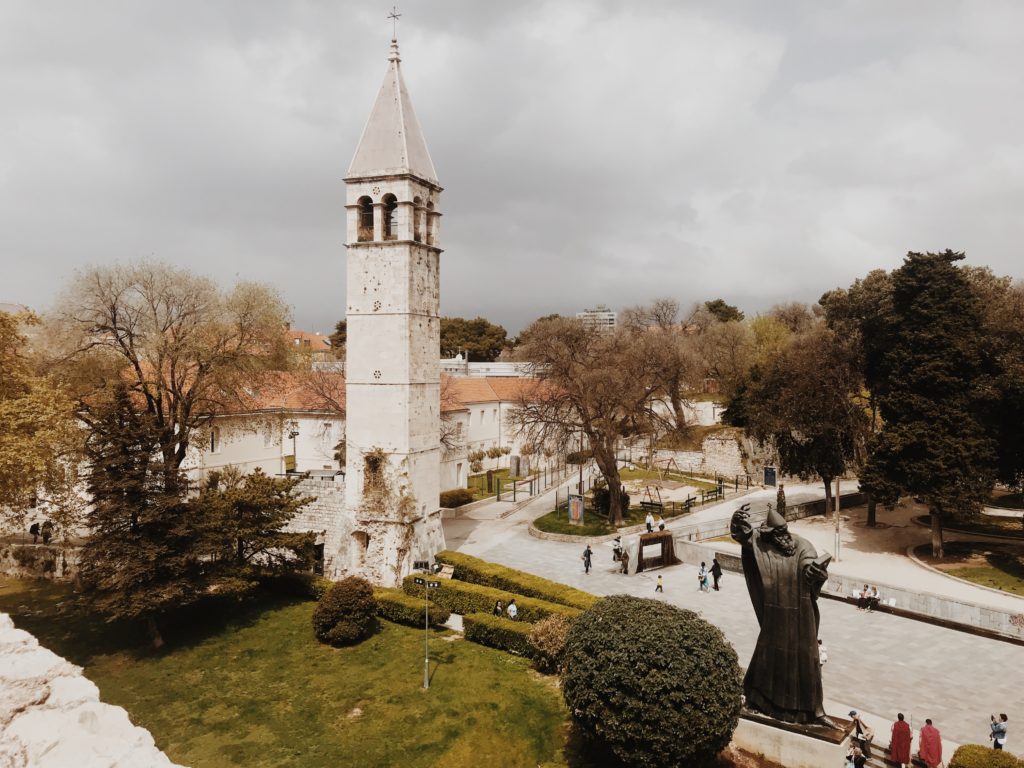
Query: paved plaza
[(878, 663)]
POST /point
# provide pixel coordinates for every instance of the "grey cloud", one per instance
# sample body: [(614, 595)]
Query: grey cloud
[(591, 152)]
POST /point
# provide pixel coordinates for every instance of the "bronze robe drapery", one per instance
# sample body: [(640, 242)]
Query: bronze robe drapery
[(783, 679)]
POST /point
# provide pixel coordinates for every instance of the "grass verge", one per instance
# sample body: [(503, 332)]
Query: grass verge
[(256, 690), (997, 566)]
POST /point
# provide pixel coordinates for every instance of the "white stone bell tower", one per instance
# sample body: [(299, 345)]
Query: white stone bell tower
[(393, 451)]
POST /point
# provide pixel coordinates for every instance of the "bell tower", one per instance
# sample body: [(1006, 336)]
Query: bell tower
[(392, 390)]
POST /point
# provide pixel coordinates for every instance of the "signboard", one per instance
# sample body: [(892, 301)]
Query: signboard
[(289, 463), (769, 476), (576, 508)]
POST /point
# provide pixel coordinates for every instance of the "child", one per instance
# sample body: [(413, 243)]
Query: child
[(660, 587)]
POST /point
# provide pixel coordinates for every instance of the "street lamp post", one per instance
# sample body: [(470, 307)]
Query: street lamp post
[(424, 565)]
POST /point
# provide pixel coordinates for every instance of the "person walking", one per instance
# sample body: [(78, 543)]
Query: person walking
[(498, 611), (512, 610), (702, 578), (46, 531), (649, 522), (34, 530), (899, 741), (587, 554), (660, 587), (624, 559), (998, 730), (930, 749), (780, 500), (716, 572)]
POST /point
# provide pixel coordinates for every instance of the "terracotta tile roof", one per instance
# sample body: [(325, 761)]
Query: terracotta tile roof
[(317, 342), (293, 391), (466, 390)]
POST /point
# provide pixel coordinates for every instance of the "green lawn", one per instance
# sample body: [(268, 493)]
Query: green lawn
[(998, 526), (630, 475), (999, 566), (1008, 500), (256, 689)]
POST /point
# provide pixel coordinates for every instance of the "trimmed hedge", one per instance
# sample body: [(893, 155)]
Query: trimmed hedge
[(301, 584), (477, 571), (494, 632), (456, 497), (462, 598), (978, 756), (394, 605)]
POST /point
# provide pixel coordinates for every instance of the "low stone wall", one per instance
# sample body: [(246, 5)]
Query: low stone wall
[(52, 717), (712, 529), (38, 561), (911, 603), (942, 609)]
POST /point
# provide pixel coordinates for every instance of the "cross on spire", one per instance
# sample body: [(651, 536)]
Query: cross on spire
[(394, 16)]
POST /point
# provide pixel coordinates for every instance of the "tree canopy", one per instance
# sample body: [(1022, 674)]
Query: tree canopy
[(932, 385), (478, 339), (40, 443)]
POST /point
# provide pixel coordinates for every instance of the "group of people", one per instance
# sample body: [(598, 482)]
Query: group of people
[(929, 741), (45, 530), (705, 575), (512, 610), (650, 523), (867, 598)]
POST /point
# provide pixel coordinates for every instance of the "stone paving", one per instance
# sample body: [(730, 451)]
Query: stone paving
[(878, 663)]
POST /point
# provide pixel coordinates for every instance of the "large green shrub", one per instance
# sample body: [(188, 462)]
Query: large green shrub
[(547, 643), (456, 497), (477, 571), (978, 756), (496, 632), (300, 584), (394, 605), (657, 684), (461, 597), (346, 613)]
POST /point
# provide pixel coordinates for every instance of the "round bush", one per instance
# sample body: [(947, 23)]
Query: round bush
[(346, 613), (547, 642), (979, 756), (657, 684)]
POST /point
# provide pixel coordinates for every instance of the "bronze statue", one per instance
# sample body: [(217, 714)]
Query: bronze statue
[(784, 578)]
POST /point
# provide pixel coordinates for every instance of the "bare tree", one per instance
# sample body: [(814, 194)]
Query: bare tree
[(184, 348), (588, 382)]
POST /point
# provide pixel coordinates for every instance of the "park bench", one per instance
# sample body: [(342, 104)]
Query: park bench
[(652, 506)]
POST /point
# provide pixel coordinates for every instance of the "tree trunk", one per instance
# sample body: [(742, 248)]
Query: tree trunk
[(154, 632), (606, 462), (937, 550), (872, 504)]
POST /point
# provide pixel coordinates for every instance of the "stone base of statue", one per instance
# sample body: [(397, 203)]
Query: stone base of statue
[(791, 744)]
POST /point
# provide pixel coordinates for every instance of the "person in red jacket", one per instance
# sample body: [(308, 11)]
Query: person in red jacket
[(899, 742)]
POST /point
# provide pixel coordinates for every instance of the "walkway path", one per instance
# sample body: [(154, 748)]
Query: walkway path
[(878, 663)]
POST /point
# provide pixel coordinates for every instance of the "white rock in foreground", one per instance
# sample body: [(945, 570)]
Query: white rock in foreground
[(52, 717)]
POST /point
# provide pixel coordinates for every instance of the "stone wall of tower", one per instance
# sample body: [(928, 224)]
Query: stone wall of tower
[(392, 387)]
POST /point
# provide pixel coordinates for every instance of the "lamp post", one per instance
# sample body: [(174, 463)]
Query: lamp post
[(293, 433), (424, 565)]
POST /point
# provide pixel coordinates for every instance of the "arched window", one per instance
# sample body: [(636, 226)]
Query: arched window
[(417, 212), (365, 219), (430, 223), (390, 217)]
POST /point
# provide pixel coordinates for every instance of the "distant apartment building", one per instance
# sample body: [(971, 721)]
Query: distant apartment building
[(599, 317)]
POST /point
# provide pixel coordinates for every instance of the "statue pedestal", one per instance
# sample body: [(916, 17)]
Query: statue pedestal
[(791, 744)]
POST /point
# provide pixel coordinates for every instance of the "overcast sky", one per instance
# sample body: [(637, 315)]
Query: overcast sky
[(591, 152)]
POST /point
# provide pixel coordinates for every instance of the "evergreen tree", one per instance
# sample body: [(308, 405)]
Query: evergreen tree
[(244, 516), (934, 443), (140, 559)]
